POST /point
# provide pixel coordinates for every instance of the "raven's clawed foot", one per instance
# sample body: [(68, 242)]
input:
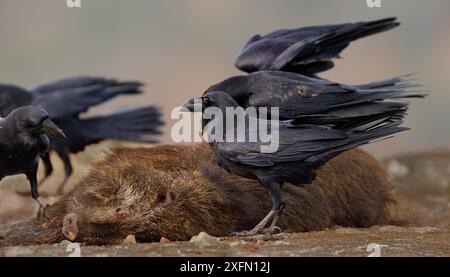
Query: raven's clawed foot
[(266, 232), (41, 209), (244, 233), (272, 230), (273, 216)]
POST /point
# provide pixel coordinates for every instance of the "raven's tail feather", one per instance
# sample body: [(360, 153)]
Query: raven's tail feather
[(355, 115), (371, 131), (136, 125), (395, 88), (403, 81), (364, 103)]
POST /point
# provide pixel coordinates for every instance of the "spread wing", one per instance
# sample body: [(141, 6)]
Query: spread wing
[(12, 97), (308, 50), (76, 95)]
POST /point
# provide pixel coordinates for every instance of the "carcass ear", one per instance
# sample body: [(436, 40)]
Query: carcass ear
[(164, 197)]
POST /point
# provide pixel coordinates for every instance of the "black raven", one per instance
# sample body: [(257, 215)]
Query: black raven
[(65, 100), (302, 149), (308, 99), (23, 137), (307, 50)]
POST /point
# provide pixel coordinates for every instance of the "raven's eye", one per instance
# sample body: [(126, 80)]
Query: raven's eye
[(28, 125), (205, 100)]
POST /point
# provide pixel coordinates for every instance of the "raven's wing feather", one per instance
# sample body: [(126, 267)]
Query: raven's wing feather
[(306, 50), (72, 83), (297, 95), (312, 144), (295, 143), (72, 97), (12, 97)]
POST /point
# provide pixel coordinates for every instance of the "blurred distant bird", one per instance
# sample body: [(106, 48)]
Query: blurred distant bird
[(65, 100), (310, 99), (307, 50), (23, 137), (303, 148)]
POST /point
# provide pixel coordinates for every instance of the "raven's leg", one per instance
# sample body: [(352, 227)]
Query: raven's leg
[(68, 169), (278, 204), (48, 171), (47, 166), (32, 178)]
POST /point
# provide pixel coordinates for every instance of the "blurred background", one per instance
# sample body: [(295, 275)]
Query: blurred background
[(179, 48)]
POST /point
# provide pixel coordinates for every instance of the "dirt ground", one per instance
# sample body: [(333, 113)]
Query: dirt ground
[(423, 194), (337, 242)]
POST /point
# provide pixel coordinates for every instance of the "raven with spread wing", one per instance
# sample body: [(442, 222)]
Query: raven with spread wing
[(307, 50)]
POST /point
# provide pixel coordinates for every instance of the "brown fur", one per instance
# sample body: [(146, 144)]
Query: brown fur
[(176, 191)]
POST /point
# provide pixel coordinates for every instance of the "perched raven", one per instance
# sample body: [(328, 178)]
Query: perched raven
[(302, 149), (310, 99), (65, 100), (23, 137), (307, 50)]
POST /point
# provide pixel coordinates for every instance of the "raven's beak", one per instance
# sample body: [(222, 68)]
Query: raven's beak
[(193, 105), (52, 130)]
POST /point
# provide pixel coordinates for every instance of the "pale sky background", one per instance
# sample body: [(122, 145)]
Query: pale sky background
[(180, 47)]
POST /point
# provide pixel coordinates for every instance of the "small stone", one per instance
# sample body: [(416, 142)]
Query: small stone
[(63, 243), (204, 240), (279, 242), (164, 240), (396, 169), (349, 231), (424, 230), (391, 228), (129, 240), (271, 237), (250, 239), (235, 243)]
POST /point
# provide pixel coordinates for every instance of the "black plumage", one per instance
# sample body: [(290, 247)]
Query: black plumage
[(67, 99), (309, 99), (24, 135), (303, 148), (318, 118), (307, 50)]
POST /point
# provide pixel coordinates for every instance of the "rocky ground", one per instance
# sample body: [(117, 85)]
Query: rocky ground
[(422, 182), (336, 242)]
